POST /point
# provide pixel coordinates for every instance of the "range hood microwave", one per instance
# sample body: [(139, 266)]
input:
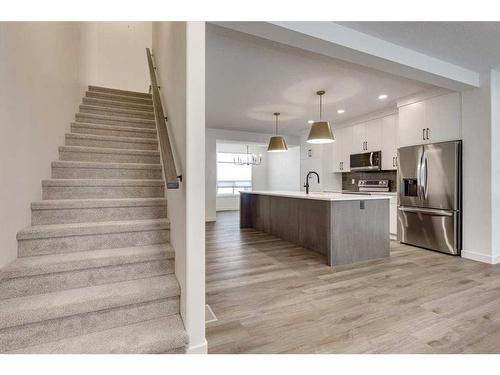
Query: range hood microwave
[(367, 161)]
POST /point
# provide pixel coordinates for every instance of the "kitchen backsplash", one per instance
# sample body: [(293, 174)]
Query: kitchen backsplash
[(348, 177)]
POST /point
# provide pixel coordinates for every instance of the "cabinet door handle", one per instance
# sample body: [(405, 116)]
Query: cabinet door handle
[(427, 133), (423, 134)]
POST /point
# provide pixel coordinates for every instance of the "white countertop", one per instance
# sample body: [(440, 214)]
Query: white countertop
[(320, 196)]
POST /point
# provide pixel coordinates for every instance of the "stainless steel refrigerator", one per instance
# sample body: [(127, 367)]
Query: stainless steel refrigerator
[(430, 196)]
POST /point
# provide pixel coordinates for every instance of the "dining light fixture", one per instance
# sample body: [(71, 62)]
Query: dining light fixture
[(250, 159), (320, 130), (277, 143)]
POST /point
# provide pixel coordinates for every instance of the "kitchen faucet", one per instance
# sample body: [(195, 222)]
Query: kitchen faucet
[(306, 185)]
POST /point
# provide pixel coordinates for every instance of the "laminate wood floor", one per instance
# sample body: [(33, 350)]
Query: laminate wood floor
[(271, 296)]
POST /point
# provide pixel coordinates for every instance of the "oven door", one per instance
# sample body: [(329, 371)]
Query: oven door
[(368, 161)]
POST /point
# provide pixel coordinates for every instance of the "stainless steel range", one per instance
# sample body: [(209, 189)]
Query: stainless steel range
[(373, 185), (430, 196)]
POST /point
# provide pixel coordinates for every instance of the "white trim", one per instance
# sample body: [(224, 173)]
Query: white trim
[(198, 349), (210, 219), (421, 96), (375, 115), (478, 257)]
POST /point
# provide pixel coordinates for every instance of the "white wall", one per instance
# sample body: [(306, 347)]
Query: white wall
[(495, 164), (476, 134), (115, 54), (43, 80), (283, 172), (318, 158), (182, 80), (214, 135)]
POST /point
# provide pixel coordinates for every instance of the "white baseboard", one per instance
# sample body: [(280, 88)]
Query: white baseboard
[(198, 349), (478, 257), (210, 219)]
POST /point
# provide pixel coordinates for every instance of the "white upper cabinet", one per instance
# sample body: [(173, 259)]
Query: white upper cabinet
[(389, 139), (373, 135), (346, 149), (411, 124), (336, 153), (367, 136), (432, 120), (358, 138), (442, 115), (341, 149)]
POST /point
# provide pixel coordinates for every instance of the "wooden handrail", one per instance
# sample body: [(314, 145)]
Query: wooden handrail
[(171, 171)]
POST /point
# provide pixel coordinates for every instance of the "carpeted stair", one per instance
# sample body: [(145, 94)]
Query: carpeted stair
[(95, 272)]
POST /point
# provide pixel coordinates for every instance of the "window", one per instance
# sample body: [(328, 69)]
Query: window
[(231, 178)]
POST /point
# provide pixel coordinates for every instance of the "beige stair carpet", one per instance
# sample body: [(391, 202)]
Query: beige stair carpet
[(95, 272)]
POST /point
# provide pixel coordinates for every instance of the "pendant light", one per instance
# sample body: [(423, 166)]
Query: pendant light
[(320, 130), (277, 143)]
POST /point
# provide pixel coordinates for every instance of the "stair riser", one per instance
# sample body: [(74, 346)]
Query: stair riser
[(51, 330), (147, 174), (112, 132), (117, 112), (115, 98), (108, 157), (111, 144), (121, 122), (52, 282), (118, 105), (83, 215), (82, 192), (69, 244), (120, 92)]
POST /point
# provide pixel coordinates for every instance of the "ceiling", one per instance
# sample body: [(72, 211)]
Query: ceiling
[(472, 45), (248, 78)]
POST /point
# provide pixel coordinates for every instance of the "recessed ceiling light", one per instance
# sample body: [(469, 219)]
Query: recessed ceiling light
[(310, 121), (382, 96), (340, 111)]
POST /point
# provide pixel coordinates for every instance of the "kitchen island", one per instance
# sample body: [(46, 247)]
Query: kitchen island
[(346, 228)]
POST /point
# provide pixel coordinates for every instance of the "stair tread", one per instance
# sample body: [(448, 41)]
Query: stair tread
[(120, 91), (112, 127), (111, 138), (44, 264), (102, 165), (118, 104), (35, 308), (119, 110), (102, 182), (51, 204), (153, 336), (108, 150), (79, 229), (117, 97), (115, 118)]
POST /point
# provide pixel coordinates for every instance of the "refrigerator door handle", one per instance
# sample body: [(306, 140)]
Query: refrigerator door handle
[(429, 211), (371, 159), (419, 176), (425, 184)]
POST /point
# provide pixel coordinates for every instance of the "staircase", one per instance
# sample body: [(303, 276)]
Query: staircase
[(95, 272)]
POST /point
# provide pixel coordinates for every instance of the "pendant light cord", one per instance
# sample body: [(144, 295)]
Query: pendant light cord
[(276, 124), (320, 107)]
